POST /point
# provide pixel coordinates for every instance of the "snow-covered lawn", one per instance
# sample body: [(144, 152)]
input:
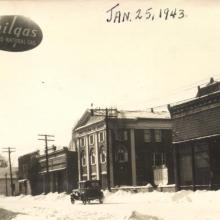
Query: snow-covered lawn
[(183, 205)]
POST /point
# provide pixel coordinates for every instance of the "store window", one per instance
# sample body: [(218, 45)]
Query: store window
[(92, 156), (147, 136), (185, 165), (202, 165), (102, 155)]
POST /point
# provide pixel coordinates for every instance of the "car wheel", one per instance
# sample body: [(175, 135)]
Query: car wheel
[(101, 200), (84, 201), (72, 201)]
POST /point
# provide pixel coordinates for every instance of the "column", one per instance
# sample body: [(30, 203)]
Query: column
[(79, 158), (97, 156), (133, 158), (111, 168), (87, 157)]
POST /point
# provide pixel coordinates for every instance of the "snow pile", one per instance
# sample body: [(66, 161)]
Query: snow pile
[(199, 205)]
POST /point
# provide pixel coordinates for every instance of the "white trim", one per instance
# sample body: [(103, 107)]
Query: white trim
[(104, 172), (42, 172)]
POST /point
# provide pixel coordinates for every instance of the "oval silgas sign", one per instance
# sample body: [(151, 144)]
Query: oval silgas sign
[(19, 33)]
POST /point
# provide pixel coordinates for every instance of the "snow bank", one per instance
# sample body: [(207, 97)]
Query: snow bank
[(182, 205)]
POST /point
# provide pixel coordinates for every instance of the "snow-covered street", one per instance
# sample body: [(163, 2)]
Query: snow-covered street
[(183, 205)]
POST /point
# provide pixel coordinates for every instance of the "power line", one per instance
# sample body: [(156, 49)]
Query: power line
[(10, 150), (187, 88)]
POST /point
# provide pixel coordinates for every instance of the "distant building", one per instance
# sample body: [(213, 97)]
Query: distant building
[(196, 139), (3, 162), (5, 181), (62, 171), (28, 167), (124, 147)]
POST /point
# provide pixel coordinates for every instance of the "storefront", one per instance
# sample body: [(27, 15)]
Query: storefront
[(196, 139)]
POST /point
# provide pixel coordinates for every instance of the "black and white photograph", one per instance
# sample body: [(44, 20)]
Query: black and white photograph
[(110, 110)]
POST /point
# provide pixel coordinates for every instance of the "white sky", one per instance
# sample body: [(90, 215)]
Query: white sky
[(83, 59)]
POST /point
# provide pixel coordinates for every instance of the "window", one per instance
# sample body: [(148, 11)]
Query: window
[(147, 136), (91, 139), (159, 159), (121, 135), (122, 155), (83, 158), (82, 141), (101, 136), (125, 135), (158, 135), (102, 155), (92, 156)]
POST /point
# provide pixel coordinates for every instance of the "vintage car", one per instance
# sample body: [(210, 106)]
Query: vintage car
[(87, 191)]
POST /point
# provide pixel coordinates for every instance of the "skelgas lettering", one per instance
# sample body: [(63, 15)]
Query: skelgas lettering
[(18, 33)]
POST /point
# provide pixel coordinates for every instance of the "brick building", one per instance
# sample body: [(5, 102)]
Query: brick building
[(124, 147), (28, 168), (62, 171), (196, 139)]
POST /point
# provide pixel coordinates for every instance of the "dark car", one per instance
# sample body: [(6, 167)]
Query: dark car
[(87, 191)]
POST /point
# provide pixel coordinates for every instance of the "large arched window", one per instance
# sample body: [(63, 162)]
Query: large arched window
[(83, 158), (122, 155), (92, 156), (102, 155)]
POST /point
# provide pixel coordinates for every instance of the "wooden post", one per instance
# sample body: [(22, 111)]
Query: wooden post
[(6, 184)]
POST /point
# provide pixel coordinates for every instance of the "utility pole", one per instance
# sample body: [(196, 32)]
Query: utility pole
[(105, 112), (10, 150), (6, 184), (47, 177)]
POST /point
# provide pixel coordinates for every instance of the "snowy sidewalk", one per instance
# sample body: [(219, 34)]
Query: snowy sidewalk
[(199, 205)]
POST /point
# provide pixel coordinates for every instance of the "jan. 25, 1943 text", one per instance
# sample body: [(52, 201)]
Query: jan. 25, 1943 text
[(115, 15)]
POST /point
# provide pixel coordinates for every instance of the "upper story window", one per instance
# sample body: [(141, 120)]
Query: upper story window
[(121, 135), (101, 136), (82, 142), (91, 139), (147, 136), (102, 155), (158, 135), (92, 156), (83, 158)]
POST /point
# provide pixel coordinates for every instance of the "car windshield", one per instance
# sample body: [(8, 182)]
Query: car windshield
[(93, 184)]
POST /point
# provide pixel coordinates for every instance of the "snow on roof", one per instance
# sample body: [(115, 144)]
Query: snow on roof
[(128, 114)]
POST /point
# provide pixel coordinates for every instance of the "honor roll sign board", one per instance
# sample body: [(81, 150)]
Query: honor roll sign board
[(18, 33)]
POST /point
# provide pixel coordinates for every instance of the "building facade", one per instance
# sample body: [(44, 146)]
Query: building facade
[(124, 147), (28, 168), (62, 173), (196, 139)]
